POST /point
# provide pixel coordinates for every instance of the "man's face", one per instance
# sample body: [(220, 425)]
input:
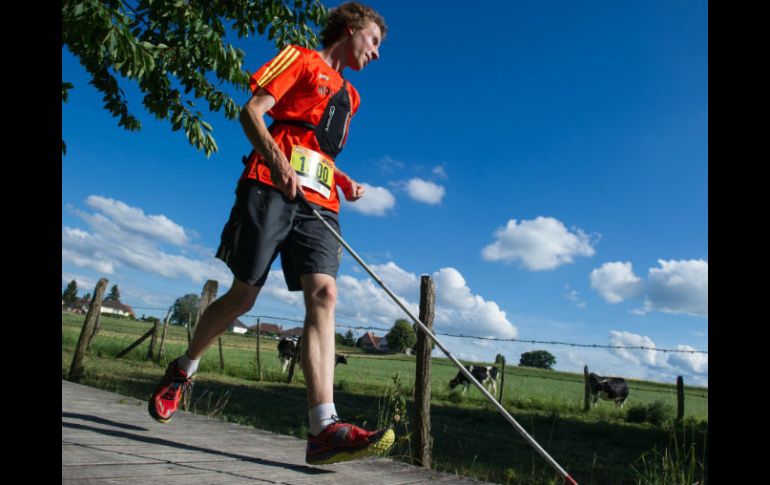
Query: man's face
[(364, 46)]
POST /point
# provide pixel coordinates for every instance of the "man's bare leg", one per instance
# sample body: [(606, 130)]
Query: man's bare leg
[(219, 315), (317, 354)]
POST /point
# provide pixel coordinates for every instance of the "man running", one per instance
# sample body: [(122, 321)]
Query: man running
[(311, 105)]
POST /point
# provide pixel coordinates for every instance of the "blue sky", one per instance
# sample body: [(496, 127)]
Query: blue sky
[(545, 162)]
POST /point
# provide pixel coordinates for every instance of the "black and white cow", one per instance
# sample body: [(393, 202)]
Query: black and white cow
[(608, 388), (487, 376), (288, 347)]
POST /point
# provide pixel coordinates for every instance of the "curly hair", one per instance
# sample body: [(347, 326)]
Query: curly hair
[(350, 14)]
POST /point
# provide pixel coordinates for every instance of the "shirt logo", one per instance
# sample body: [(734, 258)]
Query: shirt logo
[(323, 76)]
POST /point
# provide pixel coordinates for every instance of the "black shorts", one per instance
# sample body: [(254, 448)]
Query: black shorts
[(264, 223)]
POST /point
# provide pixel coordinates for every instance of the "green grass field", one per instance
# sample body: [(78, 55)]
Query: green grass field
[(469, 436)]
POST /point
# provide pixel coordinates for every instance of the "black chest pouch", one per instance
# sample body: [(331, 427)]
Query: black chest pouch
[(333, 126), (331, 130)]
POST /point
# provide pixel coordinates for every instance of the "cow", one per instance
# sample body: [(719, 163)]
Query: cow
[(288, 347), (608, 388), (487, 376)]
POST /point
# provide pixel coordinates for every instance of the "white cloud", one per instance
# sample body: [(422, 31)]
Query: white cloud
[(439, 171), (364, 301), (424, 191), (388, 165), (540, 244), (572, 295), (675, 287), (457, 308), (85, 285), (375, 202), (696, 363), (157, 227), (113, 243), (679, 287), (647, 357), (663, 366), (615, 282), (275, 286), (397, 279)]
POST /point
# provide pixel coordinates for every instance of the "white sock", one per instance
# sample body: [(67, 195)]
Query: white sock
[(188, 365), (321, 417)]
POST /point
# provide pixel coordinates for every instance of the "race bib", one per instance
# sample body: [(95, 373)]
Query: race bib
[(313, 169)]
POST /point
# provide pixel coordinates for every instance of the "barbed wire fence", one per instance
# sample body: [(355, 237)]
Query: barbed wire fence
[(275, 319), (423, 354)]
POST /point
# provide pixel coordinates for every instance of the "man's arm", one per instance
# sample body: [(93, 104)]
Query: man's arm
[(352, 189), (252, 120)]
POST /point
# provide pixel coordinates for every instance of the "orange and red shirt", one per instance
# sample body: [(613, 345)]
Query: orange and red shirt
[(302, 84)]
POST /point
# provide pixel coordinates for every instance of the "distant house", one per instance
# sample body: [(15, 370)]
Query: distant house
[(109, 307), (269, 329), (116, 308), (238, 327), (292, 332), (373, 343)]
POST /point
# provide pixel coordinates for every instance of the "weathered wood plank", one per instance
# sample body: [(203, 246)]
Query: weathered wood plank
[(110, 439)]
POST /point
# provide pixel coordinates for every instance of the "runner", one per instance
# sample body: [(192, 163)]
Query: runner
[(311, 105)]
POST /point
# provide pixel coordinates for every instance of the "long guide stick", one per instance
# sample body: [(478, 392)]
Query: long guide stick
[(430, 334)]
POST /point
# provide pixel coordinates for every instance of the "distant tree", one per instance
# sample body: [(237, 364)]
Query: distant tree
[(348, 340), (184, 308), (401, 336), (87, 298), (537, 358), (70, 294), (114, 294)]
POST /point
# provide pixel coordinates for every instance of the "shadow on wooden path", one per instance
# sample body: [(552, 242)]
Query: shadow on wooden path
[(111, 439)]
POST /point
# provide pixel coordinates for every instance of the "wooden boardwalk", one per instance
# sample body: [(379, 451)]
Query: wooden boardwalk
[(111, 439)]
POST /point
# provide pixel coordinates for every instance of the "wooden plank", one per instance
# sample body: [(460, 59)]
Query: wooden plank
[(110, 439)]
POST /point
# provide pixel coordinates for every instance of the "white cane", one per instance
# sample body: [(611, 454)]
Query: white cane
[(468, 375)]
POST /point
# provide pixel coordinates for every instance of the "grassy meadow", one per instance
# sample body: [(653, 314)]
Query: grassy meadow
[(470, 437)]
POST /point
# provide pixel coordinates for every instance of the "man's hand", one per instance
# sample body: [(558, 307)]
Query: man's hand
[(285, 178), (350, 188), (356, 191)]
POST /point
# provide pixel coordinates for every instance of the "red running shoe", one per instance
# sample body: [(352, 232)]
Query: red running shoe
[(342, 442), (165, 399)]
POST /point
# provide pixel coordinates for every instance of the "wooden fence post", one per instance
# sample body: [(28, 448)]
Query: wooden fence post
[(208, 294), (586, 405), (221, 356), (154, 339), (76, 369), (501, 360), (96, 329), (679, 398), (423, 443), (259, 362), (163, 336)]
